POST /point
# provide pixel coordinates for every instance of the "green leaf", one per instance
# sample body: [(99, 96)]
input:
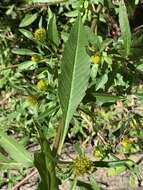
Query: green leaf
[(105, 98), (52, 31), (116, 170), (27, 34), (75, 72), (6, 164), (94, 184), (23, 51), (125, 27), (101, 82), (73, 184), (44, 162), (140, 67), (28, 19), (49, 1), (26, 64), (16, 151)]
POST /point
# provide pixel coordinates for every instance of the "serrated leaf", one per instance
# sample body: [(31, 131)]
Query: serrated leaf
[(75, 72), (52, 31), (125, 27), (27, 34), (28, 19), (23, 51), (15, 150)]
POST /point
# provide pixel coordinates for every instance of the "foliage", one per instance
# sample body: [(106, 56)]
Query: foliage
[(71, 71)]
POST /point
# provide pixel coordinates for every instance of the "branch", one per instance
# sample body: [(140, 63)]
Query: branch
[(24, 180)]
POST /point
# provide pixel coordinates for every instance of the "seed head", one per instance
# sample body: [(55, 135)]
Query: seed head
[(40, 34), (81, 165)]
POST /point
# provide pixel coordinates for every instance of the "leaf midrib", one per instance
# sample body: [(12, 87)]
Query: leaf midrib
[(72, 81)]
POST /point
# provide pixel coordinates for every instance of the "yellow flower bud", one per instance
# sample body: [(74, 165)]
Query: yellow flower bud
[(42, 85), (95, 59), (32, 100), (97, 153), (81, 165), (36, 58), (126, 142), (40, 34)]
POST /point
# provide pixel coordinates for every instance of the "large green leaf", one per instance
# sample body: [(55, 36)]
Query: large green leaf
[(15, 150), (75, 72), (125, 27)]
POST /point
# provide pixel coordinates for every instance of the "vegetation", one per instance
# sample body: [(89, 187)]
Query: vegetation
[(70, 72)]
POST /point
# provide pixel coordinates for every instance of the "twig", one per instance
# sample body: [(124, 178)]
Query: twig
[(24, 180), (40, 5)]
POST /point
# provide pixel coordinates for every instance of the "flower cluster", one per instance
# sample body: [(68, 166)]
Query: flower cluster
[(36, 58), (95, 59), (42, 85), (81, 165), (40, 35)]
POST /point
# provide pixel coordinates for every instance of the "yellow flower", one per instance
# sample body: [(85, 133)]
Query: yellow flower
[(42, 85), (36, 58), (95, 59), (126, 142), (97, 153), (81, 165), (40, 34), (32, 100)]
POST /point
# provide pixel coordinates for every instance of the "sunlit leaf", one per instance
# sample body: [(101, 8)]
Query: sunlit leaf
[(125, 27), (75, 72)]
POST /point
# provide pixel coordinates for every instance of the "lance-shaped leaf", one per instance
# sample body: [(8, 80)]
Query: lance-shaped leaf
[(75, 71), (125, 27), (15, 150)]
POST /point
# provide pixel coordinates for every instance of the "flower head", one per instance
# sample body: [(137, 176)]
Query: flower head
[(32, 100), (42, 85), (95, 59), (36, 58), (98, 152), (126, 142), (40, 34), (81, 165)]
